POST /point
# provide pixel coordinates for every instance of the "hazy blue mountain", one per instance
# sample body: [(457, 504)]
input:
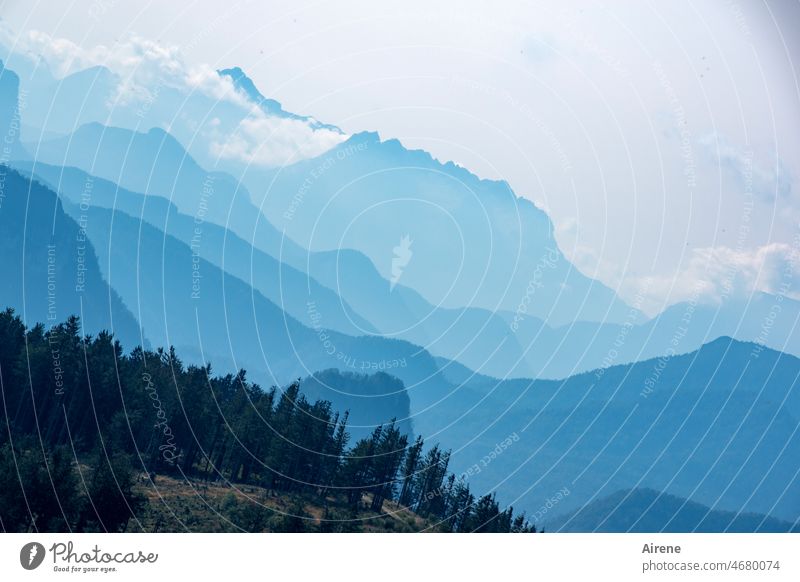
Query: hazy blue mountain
[(183, 300), (490, 343), (63, 105), (580, 346), (718, 426), (371, 399), (646, 510), (482, 341), (476, 337), (760, 317), (468, 242), (209, 315), (33, 71), (151, 163), (473, 336), (51, 269), (507, 264), (156, 164), (282, 284)]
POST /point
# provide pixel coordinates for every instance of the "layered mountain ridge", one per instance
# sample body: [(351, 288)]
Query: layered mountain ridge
[(373, 258)]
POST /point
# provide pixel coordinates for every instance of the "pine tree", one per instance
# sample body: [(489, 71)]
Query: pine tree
[(410, 466), (111, 501)]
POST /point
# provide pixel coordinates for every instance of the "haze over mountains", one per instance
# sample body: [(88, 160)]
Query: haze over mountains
[(51, 267), (717, 426), (442, 300), (501, 344)]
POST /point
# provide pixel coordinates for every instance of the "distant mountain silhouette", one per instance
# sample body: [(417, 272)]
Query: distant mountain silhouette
[(718, 426), (153, 163), (282, 284), (646, 510), (484, 342), (492, 345), (473, 336), (63, 105), (511, 250), (474, 243), (372, 399), (51, 268), (209, 315)]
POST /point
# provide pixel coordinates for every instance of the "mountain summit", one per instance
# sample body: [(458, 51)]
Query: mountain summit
[(271, 107), (476, 243)]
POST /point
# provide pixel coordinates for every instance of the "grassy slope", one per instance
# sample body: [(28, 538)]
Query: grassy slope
[(179, 505)]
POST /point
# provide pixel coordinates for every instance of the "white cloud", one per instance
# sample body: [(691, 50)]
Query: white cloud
[(265, 140), (141, 64), (713, 274), (145, 67)]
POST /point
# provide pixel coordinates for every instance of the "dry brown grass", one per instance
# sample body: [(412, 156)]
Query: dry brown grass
[(180, 505)]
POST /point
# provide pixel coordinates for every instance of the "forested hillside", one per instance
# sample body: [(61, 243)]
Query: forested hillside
[(92, 434)]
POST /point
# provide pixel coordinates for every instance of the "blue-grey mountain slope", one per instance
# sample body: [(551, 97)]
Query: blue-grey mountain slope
[(282, 284), (476, 233), (370, 399), (155, 163), (50, 267), (487, 343), (647, 511), (476, 337), (718, 426), (212, 316), (468, 242)]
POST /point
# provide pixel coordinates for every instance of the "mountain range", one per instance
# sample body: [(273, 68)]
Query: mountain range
[(398, 287)]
